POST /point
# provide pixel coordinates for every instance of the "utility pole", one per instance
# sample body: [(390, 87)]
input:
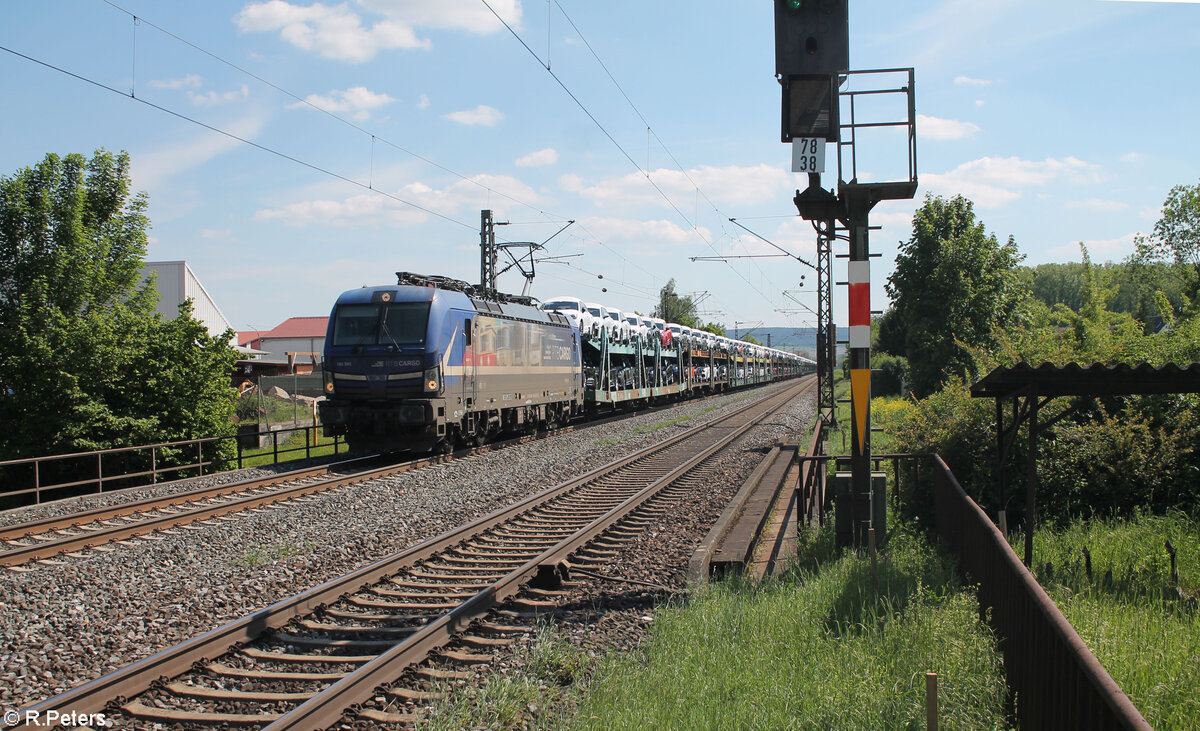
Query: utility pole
[(812, 64), (826, 329), (487, 252)]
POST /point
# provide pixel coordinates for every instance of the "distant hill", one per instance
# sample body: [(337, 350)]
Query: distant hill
[(802, 339)]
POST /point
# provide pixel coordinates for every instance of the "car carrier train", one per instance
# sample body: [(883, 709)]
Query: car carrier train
[(431, 362)]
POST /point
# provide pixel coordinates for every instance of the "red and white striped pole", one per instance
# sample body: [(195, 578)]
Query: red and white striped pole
[(859, 301)]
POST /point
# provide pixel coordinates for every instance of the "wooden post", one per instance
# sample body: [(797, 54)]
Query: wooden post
[(874, 564), (1031, 475), (931, 702)]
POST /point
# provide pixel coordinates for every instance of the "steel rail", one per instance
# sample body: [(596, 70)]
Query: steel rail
[(329, 705), (94, 696), (108, 512), (45, 549), (151, 524), (28, 529), (74, 521)]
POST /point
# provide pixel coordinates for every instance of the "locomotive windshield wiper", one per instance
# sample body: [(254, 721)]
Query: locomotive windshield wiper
[(384, 329)]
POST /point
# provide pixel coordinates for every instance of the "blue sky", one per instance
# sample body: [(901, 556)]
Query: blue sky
[(1064, 121)]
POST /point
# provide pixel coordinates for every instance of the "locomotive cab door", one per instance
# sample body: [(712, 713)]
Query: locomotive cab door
[(470, 356)]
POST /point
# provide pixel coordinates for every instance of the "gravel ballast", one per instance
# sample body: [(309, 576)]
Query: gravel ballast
[(75, 619)]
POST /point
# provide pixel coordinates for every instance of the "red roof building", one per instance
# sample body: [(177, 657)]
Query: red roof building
[(296, 341)]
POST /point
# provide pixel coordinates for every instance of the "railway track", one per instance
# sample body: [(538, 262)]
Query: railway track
[(360, 640), (43, 540)]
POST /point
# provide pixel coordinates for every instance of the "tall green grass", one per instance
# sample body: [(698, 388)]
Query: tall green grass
[(817, 648), (539, 693), (1142, 625)]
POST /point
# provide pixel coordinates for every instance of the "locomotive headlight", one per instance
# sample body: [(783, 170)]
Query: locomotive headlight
[(433, 378), (328, 382)]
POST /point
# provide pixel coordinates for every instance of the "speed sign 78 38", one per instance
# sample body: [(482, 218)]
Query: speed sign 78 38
[(808, 155)]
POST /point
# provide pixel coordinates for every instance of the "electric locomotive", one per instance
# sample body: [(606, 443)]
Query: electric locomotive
[(432, 362)]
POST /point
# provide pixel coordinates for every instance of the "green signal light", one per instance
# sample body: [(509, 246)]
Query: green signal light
[(793, 5)]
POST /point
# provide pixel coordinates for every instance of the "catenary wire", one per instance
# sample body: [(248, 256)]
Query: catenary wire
[(218, 130), (620, 148)]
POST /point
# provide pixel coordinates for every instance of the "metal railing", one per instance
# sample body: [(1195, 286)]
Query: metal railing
[(1057, 682), (81, 473), (812, 478)]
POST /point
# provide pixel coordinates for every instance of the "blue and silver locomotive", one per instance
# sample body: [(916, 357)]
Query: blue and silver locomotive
[(431, 362)]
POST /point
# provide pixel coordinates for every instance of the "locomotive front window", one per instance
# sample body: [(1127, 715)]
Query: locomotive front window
[(397, 323), (356, 325), (404, 323)]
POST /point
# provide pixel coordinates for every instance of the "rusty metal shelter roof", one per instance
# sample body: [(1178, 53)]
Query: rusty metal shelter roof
[(1096, 379), (1031, 387)]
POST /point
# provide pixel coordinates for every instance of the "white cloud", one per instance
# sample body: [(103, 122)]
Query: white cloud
[(481, 115), (935, 128), (1096, 204), (547, 156), (968, 81), (994, 181), (190, 81), (374, 209), (1099, 250), (153, 167), (211, 98), (570, 182), (357, 101), (365, 209), (893, 221), (1132, 156), (218, 234), (468, 15), (642, 232), (979, 102), (732, 184), (423, 102), (337, 32), (331, 31)]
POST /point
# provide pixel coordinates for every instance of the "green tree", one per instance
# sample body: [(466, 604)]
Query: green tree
[(888, 332), (674, 308), (952, 284), (85, 361), (1177, 233), (1135, 286), (1059, 284)]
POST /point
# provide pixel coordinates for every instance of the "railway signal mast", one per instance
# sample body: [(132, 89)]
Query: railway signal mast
[(812, 64)]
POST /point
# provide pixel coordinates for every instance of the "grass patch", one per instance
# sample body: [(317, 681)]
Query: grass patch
[(651, 428), (815, 648), (1142, 625), (294, 446), (271, 554), (540, 695)]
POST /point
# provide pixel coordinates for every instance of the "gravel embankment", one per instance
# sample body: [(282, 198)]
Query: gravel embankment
[(605, 615), (79, 504), (67, 623)]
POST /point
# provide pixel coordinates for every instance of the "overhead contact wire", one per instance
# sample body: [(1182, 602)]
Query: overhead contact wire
[(233, 136)]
